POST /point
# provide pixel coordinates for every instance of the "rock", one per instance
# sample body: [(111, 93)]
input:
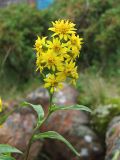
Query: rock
[(17, 130), (39, 96), (73, 125), (102, 115), (67, 96), (113, 139)]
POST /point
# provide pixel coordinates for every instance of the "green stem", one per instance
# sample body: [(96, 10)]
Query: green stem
[(29, 145), (51, 99), (37, 129)]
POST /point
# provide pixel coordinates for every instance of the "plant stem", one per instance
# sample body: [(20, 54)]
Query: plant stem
[(51, 98), (37, 129)]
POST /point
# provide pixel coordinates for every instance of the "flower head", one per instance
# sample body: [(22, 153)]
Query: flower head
[(56, 46), (69, 70), (63, 28), (56, 58), (40, 62), (75, 42), (53, 82), (39, 43), (52, 60)]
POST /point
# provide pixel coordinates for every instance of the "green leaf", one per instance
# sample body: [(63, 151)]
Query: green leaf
[(4, 157), (73, 107), (55, 135), (39, 110), (5, 148)]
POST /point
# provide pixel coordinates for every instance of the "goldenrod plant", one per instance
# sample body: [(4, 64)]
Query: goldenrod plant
[(56, 62), (56, 58)]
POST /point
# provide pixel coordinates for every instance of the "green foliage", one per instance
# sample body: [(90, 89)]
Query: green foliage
[(100, 30), (5, 157), (19, 27), (42, 119), (4, 148), (102, 115), (95, 90), (73, 107), (112, 100), (99, 24), (57, 136), (39, 110)]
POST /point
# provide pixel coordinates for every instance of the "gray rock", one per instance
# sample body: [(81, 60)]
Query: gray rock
[(113, 140), (39, 96), (17, 130), (67, 96)]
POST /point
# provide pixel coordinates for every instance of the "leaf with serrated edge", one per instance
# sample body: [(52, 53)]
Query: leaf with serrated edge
[(55, 135)]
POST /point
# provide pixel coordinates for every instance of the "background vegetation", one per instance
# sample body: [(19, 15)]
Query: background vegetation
[(98, 22)]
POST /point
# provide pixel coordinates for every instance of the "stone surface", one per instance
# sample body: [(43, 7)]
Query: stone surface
[(113, 139), (73, 125), (17, 130), (39, 96), (67, 96)]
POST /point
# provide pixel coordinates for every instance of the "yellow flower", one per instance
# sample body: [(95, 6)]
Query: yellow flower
[(74, 45), (52, 60), (40, 63), (56, 46), (39, 43), (0, 105), (75, 42), (55, 59), (68, 70), (74, 53), (53, 82), (63, 28)]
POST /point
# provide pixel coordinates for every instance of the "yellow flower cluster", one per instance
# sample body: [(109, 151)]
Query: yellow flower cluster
[(56, 58)]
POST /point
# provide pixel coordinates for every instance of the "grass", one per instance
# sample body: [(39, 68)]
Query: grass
[(95, 89)]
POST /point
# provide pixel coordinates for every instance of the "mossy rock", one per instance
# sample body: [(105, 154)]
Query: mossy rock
[(102, 115)]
